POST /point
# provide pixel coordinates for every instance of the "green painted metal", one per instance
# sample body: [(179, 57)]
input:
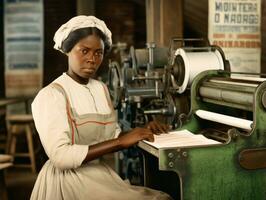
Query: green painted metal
[(214, 172)]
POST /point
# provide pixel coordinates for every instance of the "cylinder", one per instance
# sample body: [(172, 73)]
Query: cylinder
[(228, 96), (196, 62), (225, 119), (237, 93)]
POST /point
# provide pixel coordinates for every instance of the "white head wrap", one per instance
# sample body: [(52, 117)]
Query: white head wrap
[(78, 22)]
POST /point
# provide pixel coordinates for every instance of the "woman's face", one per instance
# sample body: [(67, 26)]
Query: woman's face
[(85, 58)]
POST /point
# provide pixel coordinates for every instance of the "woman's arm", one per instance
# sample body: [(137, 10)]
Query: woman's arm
[(51, 121), (123, 141)]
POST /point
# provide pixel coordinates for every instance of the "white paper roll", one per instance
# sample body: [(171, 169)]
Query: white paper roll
[(225, 119), (196, 62)]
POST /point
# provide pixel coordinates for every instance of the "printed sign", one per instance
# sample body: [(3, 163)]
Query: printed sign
[(23, 26), (234, 25)]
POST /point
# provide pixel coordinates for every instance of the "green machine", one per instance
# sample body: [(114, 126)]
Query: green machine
[(231, 110)]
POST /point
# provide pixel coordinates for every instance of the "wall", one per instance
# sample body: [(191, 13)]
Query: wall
[(125, 19), (2, 64), (55, 14)]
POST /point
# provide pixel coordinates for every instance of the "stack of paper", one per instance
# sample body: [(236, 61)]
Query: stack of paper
[(182, 138)]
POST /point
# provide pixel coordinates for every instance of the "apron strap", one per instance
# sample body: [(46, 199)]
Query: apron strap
[(68, 109), (108, 97)]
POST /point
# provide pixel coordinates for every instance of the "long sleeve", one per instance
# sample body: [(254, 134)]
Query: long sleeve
[(50, 117)]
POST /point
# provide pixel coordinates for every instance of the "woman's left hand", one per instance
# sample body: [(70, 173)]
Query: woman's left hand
[(157, 127)]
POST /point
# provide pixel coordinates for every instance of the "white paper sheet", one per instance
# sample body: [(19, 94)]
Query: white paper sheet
[(182, 138)]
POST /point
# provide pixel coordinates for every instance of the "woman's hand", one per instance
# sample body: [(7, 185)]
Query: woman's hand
[(137, 134), (157, 127)]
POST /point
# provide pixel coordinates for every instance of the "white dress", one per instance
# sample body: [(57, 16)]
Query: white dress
[(70, 117)]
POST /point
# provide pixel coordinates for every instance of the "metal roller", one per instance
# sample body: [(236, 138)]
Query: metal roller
[(232, 92)]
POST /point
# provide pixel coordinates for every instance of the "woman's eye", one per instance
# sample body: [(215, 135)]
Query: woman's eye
[(84, 51), (98, 53)]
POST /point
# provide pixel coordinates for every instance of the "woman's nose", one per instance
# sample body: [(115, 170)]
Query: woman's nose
[(90, 57)]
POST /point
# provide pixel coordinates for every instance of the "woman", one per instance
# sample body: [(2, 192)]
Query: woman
[(77, 125)]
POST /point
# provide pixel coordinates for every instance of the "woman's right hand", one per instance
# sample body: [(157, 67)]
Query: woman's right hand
[(134, 136)]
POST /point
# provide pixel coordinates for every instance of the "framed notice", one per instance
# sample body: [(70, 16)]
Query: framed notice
[(234, 25), (23, 37)]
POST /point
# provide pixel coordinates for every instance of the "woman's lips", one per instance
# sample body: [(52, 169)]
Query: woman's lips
[(90, 70)]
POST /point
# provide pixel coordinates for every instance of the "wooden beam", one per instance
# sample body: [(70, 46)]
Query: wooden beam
[(164, 20)]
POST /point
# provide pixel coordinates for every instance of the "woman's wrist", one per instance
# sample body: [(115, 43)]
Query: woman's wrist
[(118, 144)]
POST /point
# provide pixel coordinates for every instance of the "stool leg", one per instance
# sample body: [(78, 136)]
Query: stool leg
[(13, 139), (13, 145), (8, 141), (29, 135)]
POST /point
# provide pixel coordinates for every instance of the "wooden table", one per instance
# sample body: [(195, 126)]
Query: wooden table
[(8, 101), (5, 162)]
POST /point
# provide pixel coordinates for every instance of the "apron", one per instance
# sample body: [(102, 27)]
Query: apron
[(94, 180)]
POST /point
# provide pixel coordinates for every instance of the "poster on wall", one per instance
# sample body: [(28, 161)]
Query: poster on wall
[(23, 41), (234, 25)]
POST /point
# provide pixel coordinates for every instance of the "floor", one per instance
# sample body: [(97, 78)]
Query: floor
[(19, 183)]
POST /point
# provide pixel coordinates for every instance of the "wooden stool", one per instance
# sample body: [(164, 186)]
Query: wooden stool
[(21, 124)]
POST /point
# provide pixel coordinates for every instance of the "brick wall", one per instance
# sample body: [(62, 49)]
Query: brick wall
[(56, 12), (126, 20)]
